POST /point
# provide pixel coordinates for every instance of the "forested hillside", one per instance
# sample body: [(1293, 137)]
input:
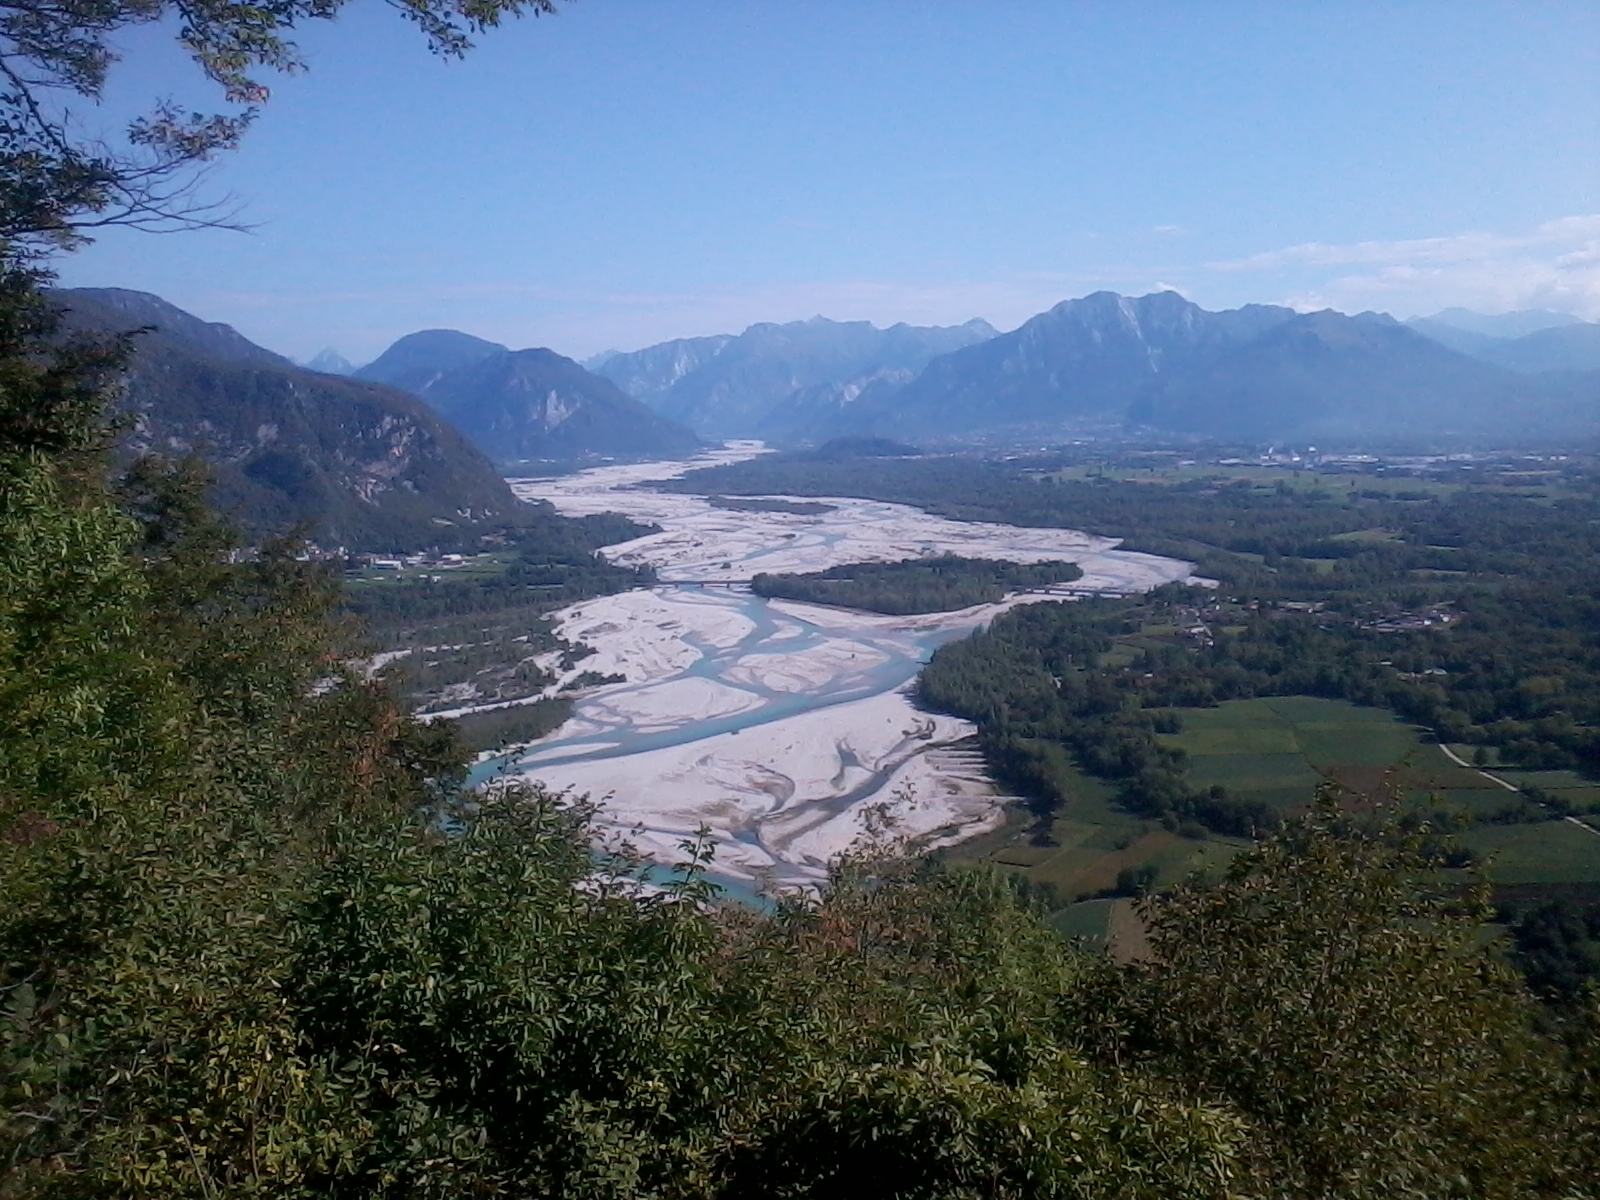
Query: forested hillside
[(358, 464)]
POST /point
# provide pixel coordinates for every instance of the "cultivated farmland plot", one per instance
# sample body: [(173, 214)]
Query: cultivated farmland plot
[(1279, 750)]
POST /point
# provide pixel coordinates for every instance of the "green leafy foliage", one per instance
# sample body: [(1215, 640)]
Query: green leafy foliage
[(897, 1038), (937, 583), (1557, 946), (57, 181), (1334, 996)]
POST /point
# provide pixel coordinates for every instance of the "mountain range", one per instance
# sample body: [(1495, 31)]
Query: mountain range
[(1099, 364), (781, 381), (398, 453), (1522, 341), (1107, 363), (1327, 377), (1085, 363), (523, 406), (369, 466)]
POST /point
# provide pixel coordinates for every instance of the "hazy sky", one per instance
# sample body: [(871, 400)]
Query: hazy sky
[(629, 171)]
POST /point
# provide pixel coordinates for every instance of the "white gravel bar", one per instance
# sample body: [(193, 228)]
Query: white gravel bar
[(787, 729)]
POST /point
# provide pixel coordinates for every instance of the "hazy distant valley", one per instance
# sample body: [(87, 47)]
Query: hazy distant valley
[(354, 449), (1106, 365)]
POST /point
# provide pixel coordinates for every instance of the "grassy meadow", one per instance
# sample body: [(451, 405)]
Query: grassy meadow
[(1278, 750)]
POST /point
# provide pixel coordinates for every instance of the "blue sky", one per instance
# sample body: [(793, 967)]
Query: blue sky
[(630, 171)]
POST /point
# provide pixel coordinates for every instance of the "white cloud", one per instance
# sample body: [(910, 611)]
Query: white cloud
[(1556, 265)]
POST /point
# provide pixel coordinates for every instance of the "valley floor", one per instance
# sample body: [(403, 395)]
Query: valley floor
[(788, 730)]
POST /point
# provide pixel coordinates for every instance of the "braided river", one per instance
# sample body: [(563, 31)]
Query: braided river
[(787, 730)]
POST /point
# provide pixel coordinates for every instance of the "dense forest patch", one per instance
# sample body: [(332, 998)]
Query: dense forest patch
[(935, 583), (800, 508)]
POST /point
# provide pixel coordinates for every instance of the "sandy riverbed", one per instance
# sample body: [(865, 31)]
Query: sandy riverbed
[(786, 729)]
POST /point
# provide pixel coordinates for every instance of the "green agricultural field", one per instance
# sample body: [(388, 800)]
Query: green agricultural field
[(1092, 841), (1477, 803), (1368, 536), (1264, 477), (1551, 781), (1549, 852), (1255, 772), (1579, 794), (1278, 750), (476, 566), (1243, 727), (1086, 919), (1432, 769)]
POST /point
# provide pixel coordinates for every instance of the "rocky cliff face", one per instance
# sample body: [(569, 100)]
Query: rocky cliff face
[(779, 381), (1084, 360), (533, 405), (650, 373)]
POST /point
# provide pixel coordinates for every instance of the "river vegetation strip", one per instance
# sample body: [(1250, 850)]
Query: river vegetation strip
[(931, 583)]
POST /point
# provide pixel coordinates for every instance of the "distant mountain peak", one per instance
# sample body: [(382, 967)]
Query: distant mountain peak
[(536, 404), (330, 362), (418, 360), (1502, 325)]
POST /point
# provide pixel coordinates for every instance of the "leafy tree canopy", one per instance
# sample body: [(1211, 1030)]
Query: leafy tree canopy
[(58, 179)]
